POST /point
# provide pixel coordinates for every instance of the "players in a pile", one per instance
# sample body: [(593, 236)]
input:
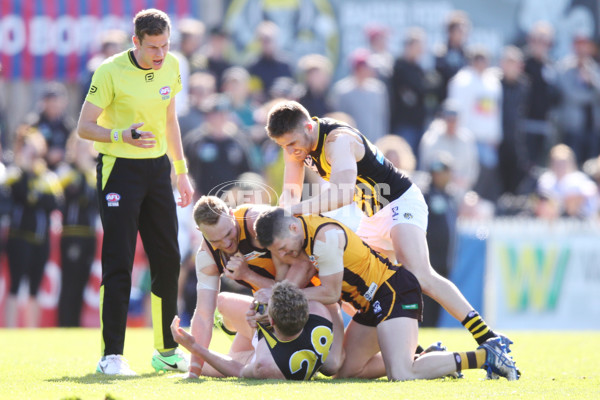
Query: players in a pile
[(382, 336), (394, 220)]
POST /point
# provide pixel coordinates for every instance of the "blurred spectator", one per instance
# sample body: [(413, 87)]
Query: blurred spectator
[(398, 152), (315, 72), (381, 59), (452, 56), (53, 122), (363, 96), (477, 92), (35, 193), (191, 34), (201, 86), (473, 207), (79, 217), (575, 193), (441, 227), (217, 54), (251, 188), (215, 151), (408, 88), (270, 64), (515, 93), (236, 85), (579, 110), (543, 94), (445, 135), (112, 41)]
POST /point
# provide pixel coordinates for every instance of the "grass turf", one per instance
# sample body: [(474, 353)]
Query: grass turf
[(60, 364)]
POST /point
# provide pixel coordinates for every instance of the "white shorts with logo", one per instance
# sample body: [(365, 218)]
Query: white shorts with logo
[(410, 208)]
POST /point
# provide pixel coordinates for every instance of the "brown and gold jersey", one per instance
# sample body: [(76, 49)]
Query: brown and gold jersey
[(365, 270)]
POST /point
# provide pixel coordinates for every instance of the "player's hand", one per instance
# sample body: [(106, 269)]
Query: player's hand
[(147, 139), (186, 192), (180, 335), (236, 267), (263, 295)]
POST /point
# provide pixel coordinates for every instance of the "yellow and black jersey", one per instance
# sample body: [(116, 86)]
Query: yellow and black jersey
[(128, 94), (259, 260), (299, 359), (365, 270), (378, 182)]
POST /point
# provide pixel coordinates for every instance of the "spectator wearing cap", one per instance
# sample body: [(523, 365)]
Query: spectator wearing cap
[(452, 56), (53, 122), (382, 59), (270, 64), (446, 135), (543, 95), (579, 110), (441, 227), (477, 92), (315, 72), (363, 96), (408, 89), (216, 151)]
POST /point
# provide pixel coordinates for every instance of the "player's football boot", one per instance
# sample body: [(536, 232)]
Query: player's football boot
[(438, 346), (498, 362), (178, 361), (114, 364)]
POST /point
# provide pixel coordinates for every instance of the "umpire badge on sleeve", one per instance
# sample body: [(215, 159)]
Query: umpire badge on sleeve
[(112, 199)]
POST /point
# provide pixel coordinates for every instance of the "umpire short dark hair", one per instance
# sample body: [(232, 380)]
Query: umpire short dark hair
[(285, 117), (269, 225), (151, 22)]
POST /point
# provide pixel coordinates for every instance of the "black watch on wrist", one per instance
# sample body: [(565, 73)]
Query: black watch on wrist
[(135, 134)]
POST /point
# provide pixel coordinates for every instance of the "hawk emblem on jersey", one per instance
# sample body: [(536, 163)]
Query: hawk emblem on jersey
[(314, 260), (149, 77), (308, 161), (254, 255)]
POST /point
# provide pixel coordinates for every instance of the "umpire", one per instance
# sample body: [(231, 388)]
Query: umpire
[(129, 90)]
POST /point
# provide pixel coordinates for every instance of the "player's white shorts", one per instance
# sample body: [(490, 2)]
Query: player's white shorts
[(410, 208)]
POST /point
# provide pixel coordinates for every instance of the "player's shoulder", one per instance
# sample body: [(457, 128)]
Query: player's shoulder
[(114, 64)]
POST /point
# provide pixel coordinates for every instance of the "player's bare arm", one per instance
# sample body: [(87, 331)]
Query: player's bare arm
[(342, 150), (175, 149), (329, 255), (207, 290), (293, 178), (88, 128)]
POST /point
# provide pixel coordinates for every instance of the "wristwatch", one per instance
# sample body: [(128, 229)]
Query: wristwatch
[(135, 134)]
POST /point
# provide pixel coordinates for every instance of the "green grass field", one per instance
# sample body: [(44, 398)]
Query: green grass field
[(60, 364)]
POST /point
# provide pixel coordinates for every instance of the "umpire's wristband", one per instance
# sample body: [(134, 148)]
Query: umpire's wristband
[(180, 167), (116, 136)]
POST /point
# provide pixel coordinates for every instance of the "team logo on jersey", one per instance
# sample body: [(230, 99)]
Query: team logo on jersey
[(93, 89), (314, 260), (254, 255), (112, 199), (377, 307), (309, 162), (165, 91), (149, 77), (408, 216)]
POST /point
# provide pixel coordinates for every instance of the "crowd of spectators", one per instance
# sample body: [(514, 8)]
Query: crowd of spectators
[(520, 135)]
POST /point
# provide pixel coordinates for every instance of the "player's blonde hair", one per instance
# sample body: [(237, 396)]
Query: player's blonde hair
[(208, 209)]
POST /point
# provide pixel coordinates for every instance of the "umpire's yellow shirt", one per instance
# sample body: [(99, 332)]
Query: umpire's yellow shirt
[(130, 94)]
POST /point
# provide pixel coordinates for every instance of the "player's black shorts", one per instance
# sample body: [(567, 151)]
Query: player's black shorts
[(399, 296)]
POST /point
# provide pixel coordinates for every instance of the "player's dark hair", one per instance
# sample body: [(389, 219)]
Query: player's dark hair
[(285, 117), (288, 307), (269, 225), (151, 22)]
